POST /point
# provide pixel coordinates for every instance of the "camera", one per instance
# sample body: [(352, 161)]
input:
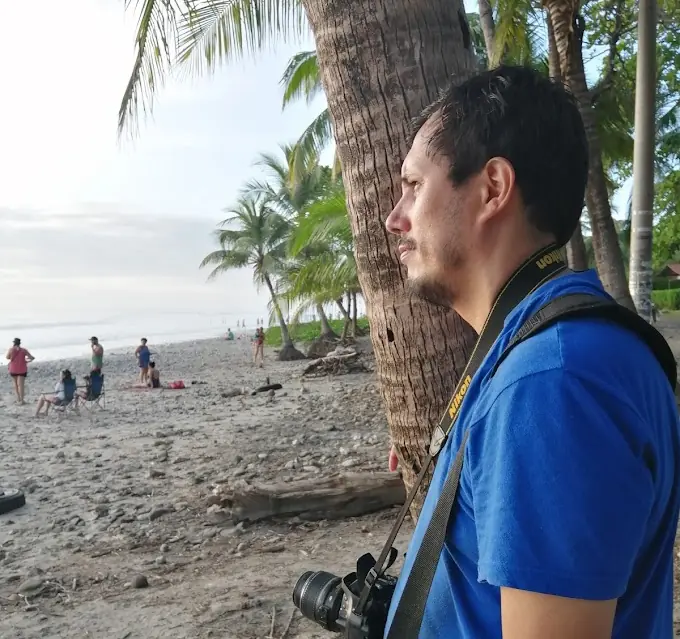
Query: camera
[(334, 602)]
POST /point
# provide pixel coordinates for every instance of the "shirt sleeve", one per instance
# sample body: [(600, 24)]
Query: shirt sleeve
[(561, 490)]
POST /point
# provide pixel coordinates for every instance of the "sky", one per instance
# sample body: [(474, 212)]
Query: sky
[(97, 226), (113, 224)]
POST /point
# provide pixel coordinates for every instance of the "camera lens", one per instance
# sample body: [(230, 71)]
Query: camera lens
[(318, 595)]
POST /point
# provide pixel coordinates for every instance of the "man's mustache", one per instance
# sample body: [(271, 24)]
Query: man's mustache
[(407, 243)]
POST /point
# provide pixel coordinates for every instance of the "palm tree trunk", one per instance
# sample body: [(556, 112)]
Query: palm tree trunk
[(345, 314), (488, 29), (568, 30), (554, 68), (642, 218), (577, 257), (326, 329), (378, 72), (288, 350)]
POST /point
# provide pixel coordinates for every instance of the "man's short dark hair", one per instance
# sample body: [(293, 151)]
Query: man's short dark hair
[(531, 121)]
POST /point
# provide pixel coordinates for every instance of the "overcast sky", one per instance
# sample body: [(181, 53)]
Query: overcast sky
[(117, 225), (80, 210)]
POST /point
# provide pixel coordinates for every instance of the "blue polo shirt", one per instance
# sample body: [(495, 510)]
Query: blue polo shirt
[(569, 485)]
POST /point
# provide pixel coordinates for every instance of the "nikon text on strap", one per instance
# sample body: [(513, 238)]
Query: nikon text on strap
[(537, 269), (411, 607)]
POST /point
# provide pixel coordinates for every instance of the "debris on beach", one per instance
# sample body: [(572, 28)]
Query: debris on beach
[(341, 361)]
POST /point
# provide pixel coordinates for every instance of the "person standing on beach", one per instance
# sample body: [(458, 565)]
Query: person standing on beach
[(143, 356), (258, 346), (97, 355), (18, 358)]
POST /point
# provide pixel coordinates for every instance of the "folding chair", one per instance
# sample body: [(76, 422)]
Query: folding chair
[(69, 404), (95, 396)]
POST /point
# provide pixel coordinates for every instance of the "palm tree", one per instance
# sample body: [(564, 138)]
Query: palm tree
[(291, 188), (420, 351), (331, 272), (255, 236), (568, 27)]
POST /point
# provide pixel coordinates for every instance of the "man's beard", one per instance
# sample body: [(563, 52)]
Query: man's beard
[(431, 291)]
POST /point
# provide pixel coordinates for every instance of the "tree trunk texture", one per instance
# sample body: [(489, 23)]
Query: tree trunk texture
[(576, 248), (577, 256), (326, 330), (381, 63), (568, 29), (337, 497), (488, 30)]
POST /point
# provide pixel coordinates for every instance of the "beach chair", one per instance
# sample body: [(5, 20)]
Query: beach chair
[(69, 405), (95, 396)]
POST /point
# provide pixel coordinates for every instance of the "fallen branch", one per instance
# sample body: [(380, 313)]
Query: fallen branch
[(271, 630), (290, 621), (336, 497), (336, 365)]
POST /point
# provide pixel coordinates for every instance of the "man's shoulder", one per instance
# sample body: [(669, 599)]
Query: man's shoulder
[(575, 343)]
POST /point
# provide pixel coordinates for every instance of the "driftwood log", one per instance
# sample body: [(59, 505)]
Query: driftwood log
[(338, 497), (336, 365)]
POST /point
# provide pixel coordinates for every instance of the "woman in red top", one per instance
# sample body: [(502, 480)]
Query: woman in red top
[(18, 367)]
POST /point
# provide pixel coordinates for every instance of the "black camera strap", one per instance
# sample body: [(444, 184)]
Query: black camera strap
[(411, 608), (536, 270)]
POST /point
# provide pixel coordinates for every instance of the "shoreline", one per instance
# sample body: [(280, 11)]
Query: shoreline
[(119, 347)]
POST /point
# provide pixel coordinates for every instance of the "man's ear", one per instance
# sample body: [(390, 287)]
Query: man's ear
[(498, 179)]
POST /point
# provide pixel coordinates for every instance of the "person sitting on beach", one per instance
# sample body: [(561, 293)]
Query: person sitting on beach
[(230, 335), (18, 367), (143, 355), (97, 355), (94, 383), (155, 380), (64, 392)]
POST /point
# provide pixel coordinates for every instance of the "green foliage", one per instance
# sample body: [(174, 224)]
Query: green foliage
[(666, 238), (667, 300), (665, 284), (254, 235), (308, 331)]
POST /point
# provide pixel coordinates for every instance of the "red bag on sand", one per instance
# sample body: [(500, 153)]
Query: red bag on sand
[(177, 385)]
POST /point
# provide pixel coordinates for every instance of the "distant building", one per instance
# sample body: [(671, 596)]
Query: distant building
[(670, 271)]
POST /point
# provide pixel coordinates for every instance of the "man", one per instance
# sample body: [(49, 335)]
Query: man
[(567, 506), (97, 355)]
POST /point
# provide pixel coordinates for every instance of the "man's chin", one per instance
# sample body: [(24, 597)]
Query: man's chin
[(432, 292)]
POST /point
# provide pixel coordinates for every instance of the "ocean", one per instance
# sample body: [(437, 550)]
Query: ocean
[(60, 340)]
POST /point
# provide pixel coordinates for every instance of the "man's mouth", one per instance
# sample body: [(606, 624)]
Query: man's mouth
[(404, 250)]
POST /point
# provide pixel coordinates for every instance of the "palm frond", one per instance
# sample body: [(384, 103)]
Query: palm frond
[(519, 24), (155, 36), (219, 31), (301, 79), (314, 139)]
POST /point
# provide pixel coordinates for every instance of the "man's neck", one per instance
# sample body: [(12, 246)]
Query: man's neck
[(485, 279)]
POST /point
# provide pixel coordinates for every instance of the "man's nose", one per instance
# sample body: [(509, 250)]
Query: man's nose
[(396, 221)]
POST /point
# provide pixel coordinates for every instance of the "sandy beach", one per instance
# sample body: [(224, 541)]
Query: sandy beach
[(130, 491)]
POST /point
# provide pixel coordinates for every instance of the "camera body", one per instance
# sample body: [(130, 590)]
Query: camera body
[(332, 601)]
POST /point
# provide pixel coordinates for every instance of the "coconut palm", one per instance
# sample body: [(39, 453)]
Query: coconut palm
[(330, 272), (291, 188), (254, 235)]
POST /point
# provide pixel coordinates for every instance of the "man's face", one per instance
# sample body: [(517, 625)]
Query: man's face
[(432, 219)]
